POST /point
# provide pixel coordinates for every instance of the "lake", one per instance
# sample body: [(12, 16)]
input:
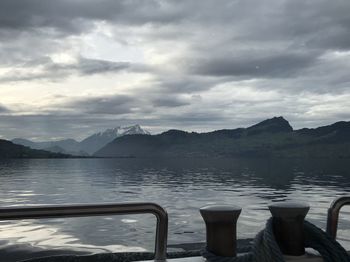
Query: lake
[(181, 186)]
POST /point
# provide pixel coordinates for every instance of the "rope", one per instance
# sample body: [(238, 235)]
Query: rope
[(329, 248), (266, 249)]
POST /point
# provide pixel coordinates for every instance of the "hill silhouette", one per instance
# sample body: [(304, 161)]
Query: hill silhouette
[(11, 150), (272, 137)]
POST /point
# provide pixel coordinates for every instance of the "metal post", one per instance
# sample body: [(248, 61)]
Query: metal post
[(288, 219), (221, 224), (54, 211), (333, 215)]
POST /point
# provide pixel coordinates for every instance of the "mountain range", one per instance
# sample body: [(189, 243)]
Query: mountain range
[(270, 138), (87, 146)]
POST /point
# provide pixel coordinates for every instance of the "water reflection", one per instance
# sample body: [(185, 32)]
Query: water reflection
[(179, 185)]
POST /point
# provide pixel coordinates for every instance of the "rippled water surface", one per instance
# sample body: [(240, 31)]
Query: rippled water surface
[(179, 185)]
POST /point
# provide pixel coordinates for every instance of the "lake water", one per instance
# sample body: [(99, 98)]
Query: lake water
[(181, 186)]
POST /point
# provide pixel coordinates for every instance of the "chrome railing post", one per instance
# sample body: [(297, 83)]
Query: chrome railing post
[(333, 214), (55, 211), (221, 222), (161, 234), (288, 219)]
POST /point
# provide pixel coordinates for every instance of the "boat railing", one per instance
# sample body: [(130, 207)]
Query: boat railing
[(58, 211), (333, 214)]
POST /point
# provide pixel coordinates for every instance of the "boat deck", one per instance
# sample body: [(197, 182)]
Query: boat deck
[(304, 258), (220, 222)]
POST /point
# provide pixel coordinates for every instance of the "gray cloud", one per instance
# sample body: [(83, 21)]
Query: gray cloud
[(295, 21), (56, 71), (255, 65), (113, 105), (299, 49), (325, 25), (170, 101), (74, 16), (95, 66), (281, 40), (174, 84)]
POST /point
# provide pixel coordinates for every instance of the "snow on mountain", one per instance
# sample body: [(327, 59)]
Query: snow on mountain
[(88, 145), (122, 131), (96, 141)]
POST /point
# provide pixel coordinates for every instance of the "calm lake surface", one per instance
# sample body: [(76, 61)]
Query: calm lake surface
[(181, 186)]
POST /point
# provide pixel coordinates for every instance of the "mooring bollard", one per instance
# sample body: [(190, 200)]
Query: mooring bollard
[(221, 224), (288, 219)]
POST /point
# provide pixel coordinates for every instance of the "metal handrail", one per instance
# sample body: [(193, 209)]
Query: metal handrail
[(333, 215), (56, 211)]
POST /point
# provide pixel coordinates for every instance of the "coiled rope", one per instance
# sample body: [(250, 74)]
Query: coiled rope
[(266, 249)]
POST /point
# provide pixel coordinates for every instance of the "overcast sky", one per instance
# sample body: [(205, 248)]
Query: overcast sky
[(69, 68)]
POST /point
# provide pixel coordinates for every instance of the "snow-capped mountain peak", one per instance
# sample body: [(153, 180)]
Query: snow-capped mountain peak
[(88, 145), (133, 130), (122, 131), (100, 139)]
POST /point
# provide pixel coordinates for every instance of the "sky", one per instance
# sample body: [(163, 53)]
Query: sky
[(69, 68)]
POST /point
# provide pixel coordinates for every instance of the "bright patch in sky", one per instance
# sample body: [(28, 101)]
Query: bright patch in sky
[(69, 68)]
